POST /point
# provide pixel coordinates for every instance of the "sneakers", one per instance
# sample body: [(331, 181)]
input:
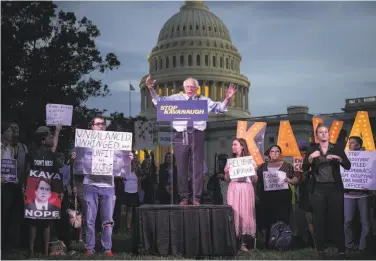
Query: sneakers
[(109, 253), (88, 252), (184, 203)]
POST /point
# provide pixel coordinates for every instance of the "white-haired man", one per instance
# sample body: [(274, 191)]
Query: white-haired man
[(195, 134)]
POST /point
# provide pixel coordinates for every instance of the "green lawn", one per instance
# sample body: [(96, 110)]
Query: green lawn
[(122, 245)]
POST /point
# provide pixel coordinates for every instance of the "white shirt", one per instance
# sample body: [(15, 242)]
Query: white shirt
[(7, 152), (180, 126), (40, 206)]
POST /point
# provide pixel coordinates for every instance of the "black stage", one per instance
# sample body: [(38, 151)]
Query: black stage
[(205, 230)]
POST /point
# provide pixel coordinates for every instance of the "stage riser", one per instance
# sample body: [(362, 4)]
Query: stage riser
[(204, 230)]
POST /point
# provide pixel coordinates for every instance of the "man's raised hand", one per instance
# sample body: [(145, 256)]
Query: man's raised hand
[(230, 90), (150, 83)]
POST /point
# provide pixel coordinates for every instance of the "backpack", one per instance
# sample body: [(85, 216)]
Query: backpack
[(281, 236)]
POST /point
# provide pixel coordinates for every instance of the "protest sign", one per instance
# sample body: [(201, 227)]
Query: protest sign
[(362, 174), (275, 180), (59, 114), (241, 167), (298, 163), (102, 152), (165, 139), (194, 110), (42, 193), (144, 135), (9, 170)]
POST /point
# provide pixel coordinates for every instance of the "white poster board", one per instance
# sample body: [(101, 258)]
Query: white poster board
[(59, 114), (275, 180), (97, 151), (362, 174), (241, 167), (144, 135)]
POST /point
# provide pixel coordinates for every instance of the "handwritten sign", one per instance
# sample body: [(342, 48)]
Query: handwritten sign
[(102, 152), (275, 180), (59, 114), (9, 170), (362, 174), (298, 163), (241, 167), (194, 110)]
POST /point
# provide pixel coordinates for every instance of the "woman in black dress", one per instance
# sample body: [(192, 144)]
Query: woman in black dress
[(275, 205)]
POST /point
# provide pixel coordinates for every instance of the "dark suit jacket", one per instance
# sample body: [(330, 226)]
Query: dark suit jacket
[(32, 206), (332, 150)]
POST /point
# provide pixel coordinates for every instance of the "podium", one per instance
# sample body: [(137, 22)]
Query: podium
[(189, 231)]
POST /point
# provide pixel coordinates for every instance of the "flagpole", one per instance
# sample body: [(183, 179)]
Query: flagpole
[(130, 94)]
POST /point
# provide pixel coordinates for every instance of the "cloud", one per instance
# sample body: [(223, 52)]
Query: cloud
[(312, 53)]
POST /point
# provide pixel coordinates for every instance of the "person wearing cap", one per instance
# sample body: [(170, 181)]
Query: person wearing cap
[(43, 158)]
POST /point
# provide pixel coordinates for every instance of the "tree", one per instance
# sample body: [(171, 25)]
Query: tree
[(49, 57)]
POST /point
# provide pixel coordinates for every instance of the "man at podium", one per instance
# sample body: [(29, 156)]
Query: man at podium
[(189, 137)]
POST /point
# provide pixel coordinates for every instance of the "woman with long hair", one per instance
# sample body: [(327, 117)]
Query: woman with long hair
[(241, 197), (275, 205), (327, 191)]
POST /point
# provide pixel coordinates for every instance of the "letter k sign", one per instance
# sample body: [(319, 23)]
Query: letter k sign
[(249, 135)]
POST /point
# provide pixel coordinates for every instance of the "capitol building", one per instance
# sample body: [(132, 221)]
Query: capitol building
[(196, 43)]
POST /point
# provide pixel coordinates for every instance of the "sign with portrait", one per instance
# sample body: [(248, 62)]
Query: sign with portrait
[(102, 153), (43, 195)]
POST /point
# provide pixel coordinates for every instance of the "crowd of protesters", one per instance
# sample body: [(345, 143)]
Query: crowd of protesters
[(98, 202)]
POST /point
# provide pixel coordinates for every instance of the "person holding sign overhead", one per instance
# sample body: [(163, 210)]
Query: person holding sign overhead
[(240, 193), (195, 134), (275, 195), (327, 192)]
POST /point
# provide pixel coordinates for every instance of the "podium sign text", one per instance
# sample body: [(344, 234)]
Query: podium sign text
[(194, 110)]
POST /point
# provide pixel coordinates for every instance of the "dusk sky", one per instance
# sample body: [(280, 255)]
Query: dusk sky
[(294, 53)]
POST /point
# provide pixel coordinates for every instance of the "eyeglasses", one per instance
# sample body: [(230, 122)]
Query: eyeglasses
[(100, 124)]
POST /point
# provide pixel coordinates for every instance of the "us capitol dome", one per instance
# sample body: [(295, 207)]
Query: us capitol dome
[(196, 43)]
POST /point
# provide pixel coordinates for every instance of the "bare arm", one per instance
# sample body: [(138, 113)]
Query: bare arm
[(56, 137)]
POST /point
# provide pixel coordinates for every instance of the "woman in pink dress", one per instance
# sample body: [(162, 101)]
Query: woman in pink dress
[(241, 197)]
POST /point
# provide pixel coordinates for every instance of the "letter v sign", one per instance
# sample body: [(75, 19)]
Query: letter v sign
[(249, 135)]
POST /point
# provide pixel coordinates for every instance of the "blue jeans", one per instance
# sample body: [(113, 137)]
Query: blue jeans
[(350, 208), (104, 198)]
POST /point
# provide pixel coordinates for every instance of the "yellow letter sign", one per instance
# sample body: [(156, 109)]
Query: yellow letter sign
[(287, 141), (249, 136), (362, 128)]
